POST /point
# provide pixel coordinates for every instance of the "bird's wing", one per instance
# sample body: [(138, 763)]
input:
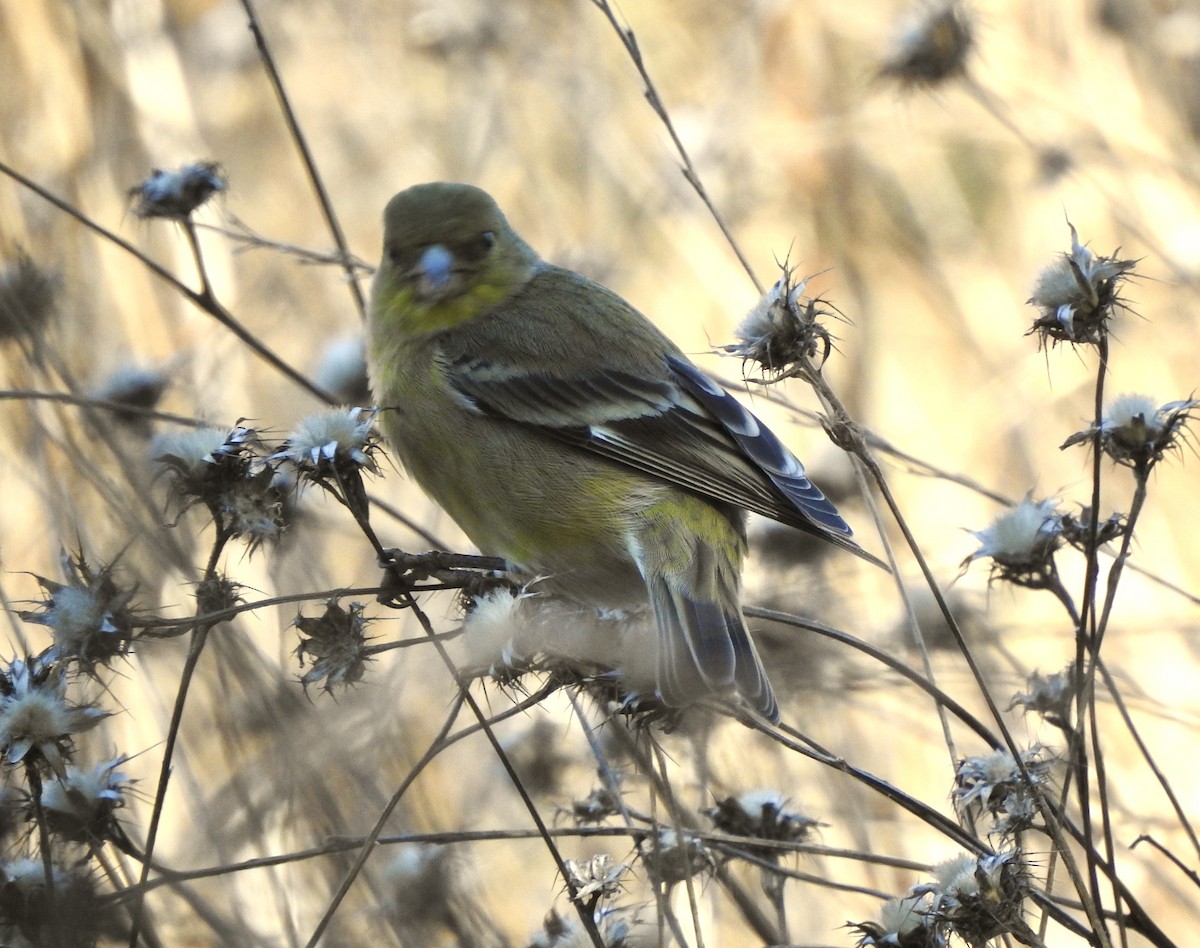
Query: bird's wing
[(675, 424)]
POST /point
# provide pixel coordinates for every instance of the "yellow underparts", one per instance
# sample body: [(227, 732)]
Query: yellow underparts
[(694, 544), (414, 317)]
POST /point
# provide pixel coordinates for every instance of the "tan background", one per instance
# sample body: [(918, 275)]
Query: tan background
[(925, 216)]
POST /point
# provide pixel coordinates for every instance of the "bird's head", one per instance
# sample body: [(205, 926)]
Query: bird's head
[(449, 255)]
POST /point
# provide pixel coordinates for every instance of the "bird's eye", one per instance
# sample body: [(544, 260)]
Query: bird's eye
[(485, 242)]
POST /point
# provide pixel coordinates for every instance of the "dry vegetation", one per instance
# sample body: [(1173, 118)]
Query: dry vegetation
[(928, 190)]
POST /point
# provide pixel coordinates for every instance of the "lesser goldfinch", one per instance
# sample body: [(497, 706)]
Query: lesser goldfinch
[(566, 434)]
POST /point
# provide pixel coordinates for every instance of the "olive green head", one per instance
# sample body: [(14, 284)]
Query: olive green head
[(448, 255)]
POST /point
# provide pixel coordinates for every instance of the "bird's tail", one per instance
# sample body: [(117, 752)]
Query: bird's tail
[(704, 649)]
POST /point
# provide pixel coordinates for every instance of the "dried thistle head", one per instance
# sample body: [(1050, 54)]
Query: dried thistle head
[(1051, 696), (342, 371), (670, 856), (75, 917), (618, 927), (38, 722), (1081, 532), (1077, 295), (994, 784), (783, 333), (903, 922), (175, 195), (762, 814), (333, 449), (137, 387), (89, 616), (1021, 543), (596, 807), (980, 897), (28, 293), (495, 621), (335, 644), (418, 883), (82, 806), (217, 593), (596, 880), (332, 443), (223, 471), (932, 44), (1138, 432)]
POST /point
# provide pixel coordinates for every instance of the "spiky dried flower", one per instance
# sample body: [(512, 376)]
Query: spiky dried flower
[(495, 620), (1021, 543), (931, 45), (223, 471), (332, 442), (994, 784), (1077, 529), (595, 880), (1051, 696), (76, 917), (333, 449), (176, 194), (972, 898), (1136, 431), (762, 814), (335, 643), (197, 456), (1077, 294), (27, 297), (671, 856), (979, 898), (89, 616), (902, 923), (596, 807), (783, 332), (81, 807), (37, 721), (217, 593)]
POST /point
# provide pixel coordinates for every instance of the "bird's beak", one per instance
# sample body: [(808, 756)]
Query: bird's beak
[(434, 273)]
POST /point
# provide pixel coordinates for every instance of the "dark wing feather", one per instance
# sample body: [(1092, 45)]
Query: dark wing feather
[(761, 448), (684, 429), (704, 647)]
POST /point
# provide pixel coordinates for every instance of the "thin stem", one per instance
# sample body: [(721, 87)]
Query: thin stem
[(629, 41), (195, 649), (189, 231), (34, 779), (89, 402), (585, 917), (1175, 860), (1111, 684), (310, 166), (678, 824), (1116, 570), (372, 840), (939, 696), (1085, 634), (910, 614), (203, 301)]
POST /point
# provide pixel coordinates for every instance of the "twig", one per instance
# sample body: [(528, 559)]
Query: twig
[(310, 166)]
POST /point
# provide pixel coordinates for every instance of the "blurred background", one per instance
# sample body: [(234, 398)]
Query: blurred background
[(923, 212)]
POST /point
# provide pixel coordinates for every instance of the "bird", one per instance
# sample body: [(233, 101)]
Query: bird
[(568, 435)]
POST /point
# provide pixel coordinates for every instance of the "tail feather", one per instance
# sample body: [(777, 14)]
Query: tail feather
[(705, 649)]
